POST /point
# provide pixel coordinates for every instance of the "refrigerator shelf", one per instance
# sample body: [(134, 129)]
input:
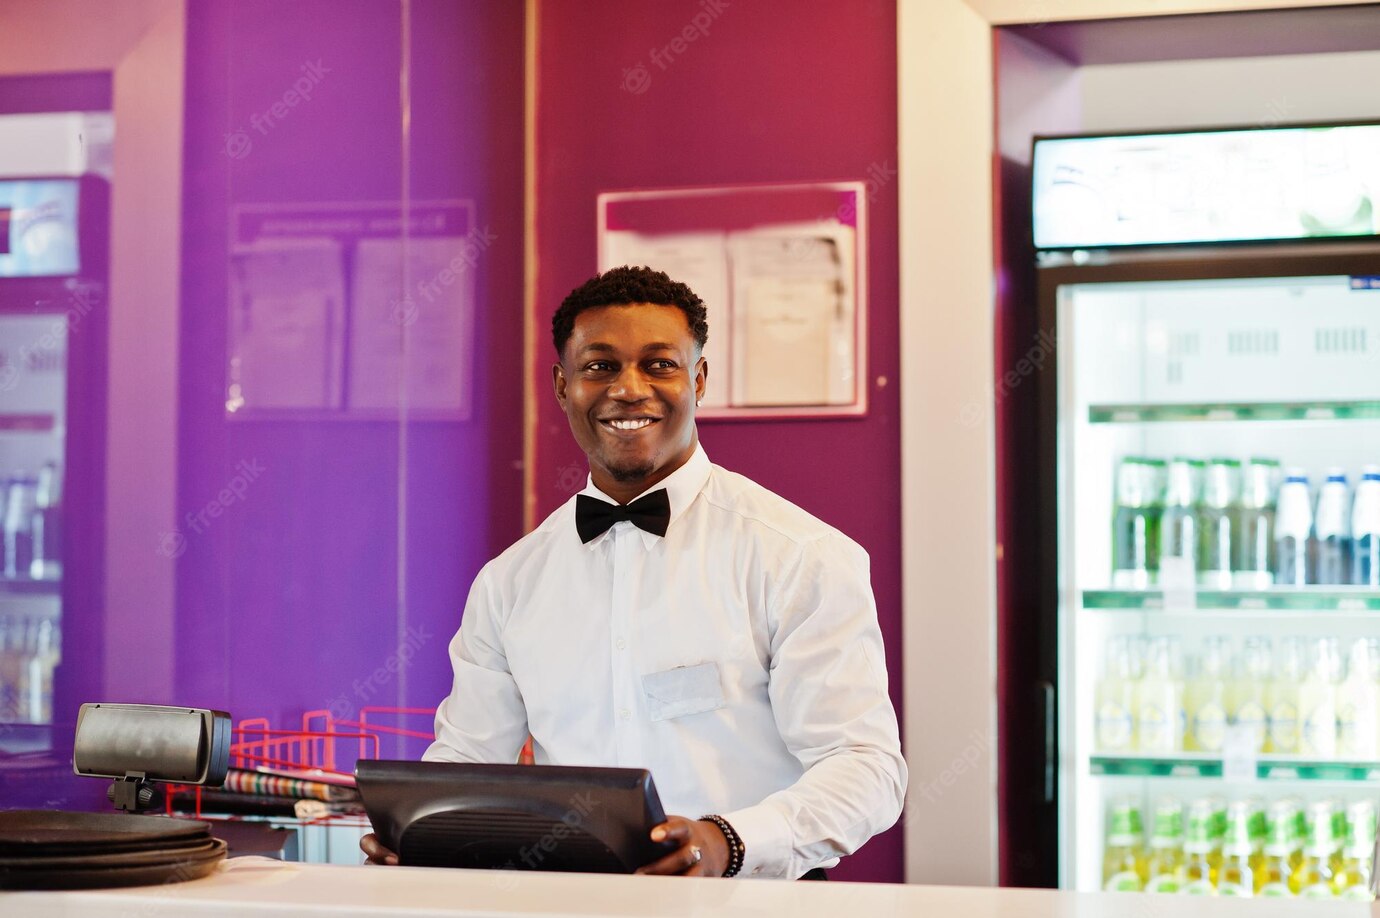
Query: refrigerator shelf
[(27, 587), (1198, 765), (1281, 599), (1234, 411)]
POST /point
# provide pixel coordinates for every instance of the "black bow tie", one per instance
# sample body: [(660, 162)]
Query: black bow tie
[(594, 517)]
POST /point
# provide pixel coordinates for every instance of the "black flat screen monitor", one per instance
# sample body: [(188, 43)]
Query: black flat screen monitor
[(513, 817)]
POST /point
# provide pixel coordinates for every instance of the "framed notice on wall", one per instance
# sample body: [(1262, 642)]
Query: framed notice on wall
[(780, 270), (336, 313)]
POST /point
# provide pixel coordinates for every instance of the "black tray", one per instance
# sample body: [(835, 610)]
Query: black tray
[(34, 833), (101, 875)]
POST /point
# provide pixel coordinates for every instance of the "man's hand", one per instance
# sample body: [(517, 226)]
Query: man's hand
[(702, 851), (376, 852)]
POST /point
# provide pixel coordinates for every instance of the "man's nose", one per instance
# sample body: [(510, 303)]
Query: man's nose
[(631, 385)]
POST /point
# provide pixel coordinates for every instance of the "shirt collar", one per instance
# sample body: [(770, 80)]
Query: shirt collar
[(682, 487)]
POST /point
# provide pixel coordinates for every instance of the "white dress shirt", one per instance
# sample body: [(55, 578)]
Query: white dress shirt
[(738, 658)]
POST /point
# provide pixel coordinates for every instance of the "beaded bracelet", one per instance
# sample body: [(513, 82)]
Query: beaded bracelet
[(736, 850)]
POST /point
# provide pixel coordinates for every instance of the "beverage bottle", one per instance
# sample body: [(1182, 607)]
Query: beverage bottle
[(1352, 881), (1205, 698), (1332, 531), (1248, 689), (1219, 832), (1236, 877), (1123, 864), (1254, 561), (1365, 529), (1116, 699), (1282, 698), (19, 543), (38, 682), (47, 521), (1200, 873), (1160, 700), (1358, 697), (1318, 702), (1313, 878), (10, 643), (1293, 525), (1339, 833), (1136, 523), (1300, 833), (1259, 828), (1178, 526), (1164, 869), (1272, 881), (1218, 521)]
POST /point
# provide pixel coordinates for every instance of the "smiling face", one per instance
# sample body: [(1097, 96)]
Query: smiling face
[(628, 382)]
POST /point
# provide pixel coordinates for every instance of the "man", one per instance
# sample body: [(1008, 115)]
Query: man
[(678, 617)]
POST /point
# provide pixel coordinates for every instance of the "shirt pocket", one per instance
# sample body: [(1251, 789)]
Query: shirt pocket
[(683, 690)]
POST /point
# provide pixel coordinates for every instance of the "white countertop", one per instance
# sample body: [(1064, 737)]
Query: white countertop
[(263, 887)]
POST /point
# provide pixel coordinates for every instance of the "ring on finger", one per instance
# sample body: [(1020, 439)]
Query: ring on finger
[(696, 855)]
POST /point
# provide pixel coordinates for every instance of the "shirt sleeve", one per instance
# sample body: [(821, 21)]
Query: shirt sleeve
[(828, 690), (483, 718)]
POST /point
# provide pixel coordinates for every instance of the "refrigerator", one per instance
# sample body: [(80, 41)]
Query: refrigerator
[(1209, 432), (53, 265)]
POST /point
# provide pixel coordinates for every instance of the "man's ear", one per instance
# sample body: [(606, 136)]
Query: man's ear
[(701, 378), (558, 383)]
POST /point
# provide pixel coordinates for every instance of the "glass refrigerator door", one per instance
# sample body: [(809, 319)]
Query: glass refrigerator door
[(33, 384), (1226, 404)]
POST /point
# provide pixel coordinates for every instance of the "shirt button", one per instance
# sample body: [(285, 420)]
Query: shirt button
[(621, 644), (625, 713)]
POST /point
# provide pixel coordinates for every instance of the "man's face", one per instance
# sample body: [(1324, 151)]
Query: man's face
[(628, 382)]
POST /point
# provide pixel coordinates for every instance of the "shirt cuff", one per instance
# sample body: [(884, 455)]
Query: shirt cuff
[(767, 842)]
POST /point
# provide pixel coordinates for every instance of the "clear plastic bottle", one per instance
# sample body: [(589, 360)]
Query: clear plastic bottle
[(1160, 700), (1183, 495), (1200, 871), (1254, 562), (1123, 860), (1236, 877), (1313, 878), (1248, 690), (1164, 869), (1365, 529), (1136, 523), (1272, 881), (1318, 702), (1218, 522), (1282, 735), (1293, 527), (1205, 698), (11, 659), (1259, 832), (1332, 530), (47, 526), (1358, 701), (1352, 881), (1116, 699), (18, 526)]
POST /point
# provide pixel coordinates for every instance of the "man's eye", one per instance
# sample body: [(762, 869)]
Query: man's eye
[(599, 366), (663, 364)]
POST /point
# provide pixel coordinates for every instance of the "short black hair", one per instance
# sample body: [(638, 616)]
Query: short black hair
[(625, 286)]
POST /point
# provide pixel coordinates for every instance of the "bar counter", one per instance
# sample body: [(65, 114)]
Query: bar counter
[(262, 887)]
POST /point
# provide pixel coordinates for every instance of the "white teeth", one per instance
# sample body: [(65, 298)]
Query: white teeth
[(631, 425)]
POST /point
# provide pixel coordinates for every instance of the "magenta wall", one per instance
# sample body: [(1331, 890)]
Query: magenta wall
[(774, 92), (289, 600)]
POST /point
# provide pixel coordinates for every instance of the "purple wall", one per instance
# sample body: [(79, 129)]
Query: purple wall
[(774, 92), (288, 600)]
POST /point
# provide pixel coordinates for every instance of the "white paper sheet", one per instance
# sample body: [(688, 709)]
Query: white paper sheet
[(286, 326), (793, 315), (435, 313)]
